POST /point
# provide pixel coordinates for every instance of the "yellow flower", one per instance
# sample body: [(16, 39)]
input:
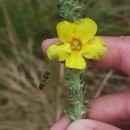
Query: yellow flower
[(78, 43)]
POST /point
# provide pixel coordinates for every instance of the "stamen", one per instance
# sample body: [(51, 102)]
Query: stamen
[(75, 44)]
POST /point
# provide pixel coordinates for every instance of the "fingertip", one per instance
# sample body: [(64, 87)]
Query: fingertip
[(62, 124), (46, 43), (83, 124), (86, 124)]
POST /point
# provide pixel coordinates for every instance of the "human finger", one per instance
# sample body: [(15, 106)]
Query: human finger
[(113, 109), (46, 43), (86, 124), (62, 124)]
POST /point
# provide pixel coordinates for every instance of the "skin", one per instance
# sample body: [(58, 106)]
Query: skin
[(110, 112)]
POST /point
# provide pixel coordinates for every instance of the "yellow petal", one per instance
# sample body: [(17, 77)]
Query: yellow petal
[(75, 60), (95, 49), (85, 29), (66, 31), (59, 52)]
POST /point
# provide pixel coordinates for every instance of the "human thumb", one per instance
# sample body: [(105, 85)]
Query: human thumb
[(86, 124)]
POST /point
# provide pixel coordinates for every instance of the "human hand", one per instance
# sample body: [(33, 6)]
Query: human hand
[(110, 112)]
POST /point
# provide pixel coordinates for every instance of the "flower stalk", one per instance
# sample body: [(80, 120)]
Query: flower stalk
[(78, 42), (70, 10), (76, 94)]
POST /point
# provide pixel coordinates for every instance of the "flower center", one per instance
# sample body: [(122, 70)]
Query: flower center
[(75, 44)]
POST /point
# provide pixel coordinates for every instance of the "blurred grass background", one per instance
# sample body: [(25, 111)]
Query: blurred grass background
[(23, 26)]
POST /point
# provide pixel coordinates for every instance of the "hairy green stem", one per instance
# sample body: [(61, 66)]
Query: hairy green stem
[(76, 96), (70, 10)]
